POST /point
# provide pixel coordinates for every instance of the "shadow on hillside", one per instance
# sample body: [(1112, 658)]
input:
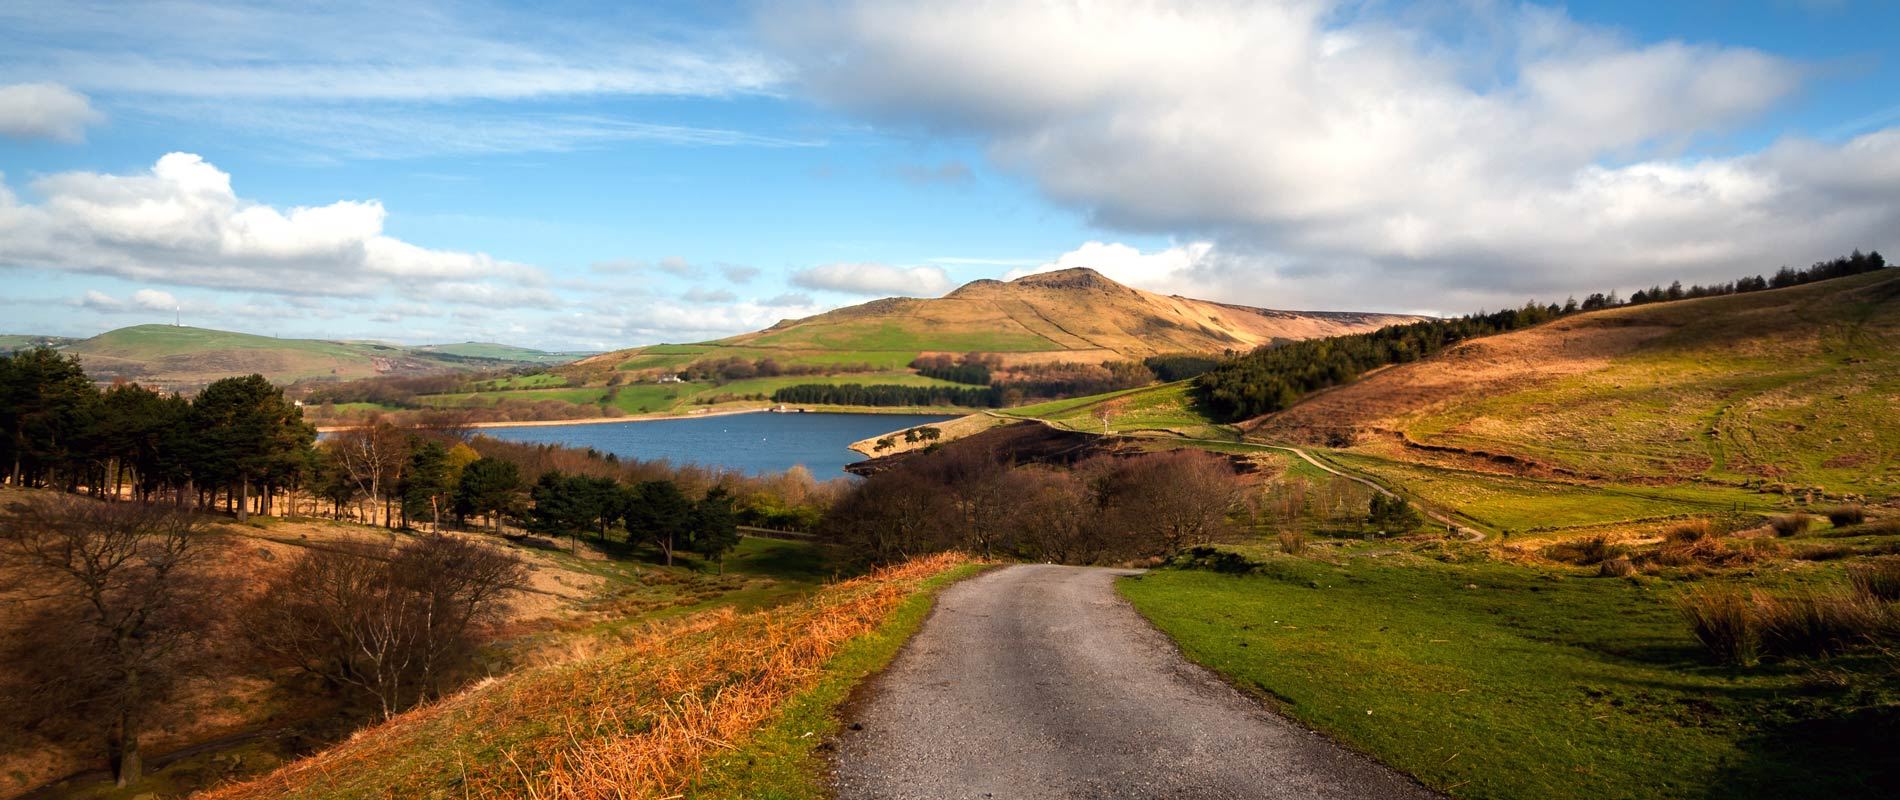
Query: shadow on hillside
[(1850, 755)]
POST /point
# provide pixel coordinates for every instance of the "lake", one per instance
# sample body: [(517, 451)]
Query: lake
[(751, 443)]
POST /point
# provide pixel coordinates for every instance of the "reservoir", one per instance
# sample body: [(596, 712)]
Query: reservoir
[(755, 444)]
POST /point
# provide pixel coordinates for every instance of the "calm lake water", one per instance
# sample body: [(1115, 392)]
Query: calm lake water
[(752, 443)]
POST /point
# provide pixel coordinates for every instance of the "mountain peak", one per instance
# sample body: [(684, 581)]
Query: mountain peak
[(1071, 278)]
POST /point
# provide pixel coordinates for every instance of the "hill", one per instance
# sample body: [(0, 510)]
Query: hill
[(1757, 402), (1793, 388), (1073, 315), (10, 342), (180, 357)]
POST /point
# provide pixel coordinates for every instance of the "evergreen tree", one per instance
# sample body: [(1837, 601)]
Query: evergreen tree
[(715, 526), (659, 513), (247, 430), (488, 486)]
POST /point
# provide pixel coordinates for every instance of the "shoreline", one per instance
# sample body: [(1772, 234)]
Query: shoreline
[(544, 423)]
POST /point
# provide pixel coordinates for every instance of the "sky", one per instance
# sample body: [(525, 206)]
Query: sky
[(589, 176)]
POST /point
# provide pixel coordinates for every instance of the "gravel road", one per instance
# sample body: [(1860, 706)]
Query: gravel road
[(1038, 681)]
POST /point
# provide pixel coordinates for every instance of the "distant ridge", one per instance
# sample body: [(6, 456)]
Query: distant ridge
[(184, 357), (1073, 314)]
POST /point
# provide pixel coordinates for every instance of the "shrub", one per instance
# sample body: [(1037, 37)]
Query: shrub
[(1721, 619), (1790, 524), (1593, 550), (1815, 623), (1690, 531), (1878, 579), (1850, 514), (1618, 567), (1292, 542)]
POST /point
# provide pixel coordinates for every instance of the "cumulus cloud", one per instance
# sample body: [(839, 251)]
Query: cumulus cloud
[(96, 300), (182, 224), (699, 294), (45, 111), (1308, 135), (874, 279), (155, 300)]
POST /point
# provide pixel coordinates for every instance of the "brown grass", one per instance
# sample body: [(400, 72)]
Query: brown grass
[(1850, 514), (1816, 623), (1878, 579), (1790, 524), (1721, 619), (1618, 567), (636, 721), (1292, 542)]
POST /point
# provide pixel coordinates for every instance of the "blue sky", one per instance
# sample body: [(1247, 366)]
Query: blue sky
[(592, 176)]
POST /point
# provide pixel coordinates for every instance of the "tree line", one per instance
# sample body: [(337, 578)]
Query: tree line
[(239, 441), (852, 394), (1274, 377)]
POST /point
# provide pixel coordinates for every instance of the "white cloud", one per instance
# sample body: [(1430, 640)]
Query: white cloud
[(738, 273), (1169, 271), (182, 224), (99, 301), (874, 279), (1522, 152), (155, 300), (702, 295), (45, 111)]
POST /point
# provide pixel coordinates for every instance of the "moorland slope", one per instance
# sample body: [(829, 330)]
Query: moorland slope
[(183, 357), (1073, 315)]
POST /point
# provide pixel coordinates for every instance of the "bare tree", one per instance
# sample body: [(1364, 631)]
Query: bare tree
[(1172, 500), (372, 456), (1052, 516), (115, 602), (389, 622)]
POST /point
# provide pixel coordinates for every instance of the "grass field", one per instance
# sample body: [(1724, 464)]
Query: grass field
[(1168, 408), (1490, 680)]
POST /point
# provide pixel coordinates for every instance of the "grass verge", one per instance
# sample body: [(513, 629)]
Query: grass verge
[(639, 718), (784, 762), (1491, 680)]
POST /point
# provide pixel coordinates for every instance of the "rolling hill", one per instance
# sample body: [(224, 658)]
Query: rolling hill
[(178, 357), (1753, 402), (1073, 315)]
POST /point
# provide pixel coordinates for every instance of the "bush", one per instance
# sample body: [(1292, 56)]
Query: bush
[(1877, 580), (1292, 542), (1585, 552), (1690, 531), (1815, 623), (1721, 619), (1850, 514), (1618, 567), (1790, 524), (1215, 560)]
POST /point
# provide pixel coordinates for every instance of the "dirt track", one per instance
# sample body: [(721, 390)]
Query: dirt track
[(1039, 681)]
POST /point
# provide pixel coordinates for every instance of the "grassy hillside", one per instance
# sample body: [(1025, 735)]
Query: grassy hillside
[(1071, 315), (651, 713), (1793, 391), (1752, 402), (185, 357)]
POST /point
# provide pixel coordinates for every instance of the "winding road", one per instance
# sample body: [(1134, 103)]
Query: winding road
[(1038, 681)]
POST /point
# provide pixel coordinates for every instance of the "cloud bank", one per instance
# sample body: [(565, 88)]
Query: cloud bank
[(182, 224), (874, 279), (1304, 138)]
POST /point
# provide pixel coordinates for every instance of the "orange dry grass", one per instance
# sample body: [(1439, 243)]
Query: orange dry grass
[(637, 721)]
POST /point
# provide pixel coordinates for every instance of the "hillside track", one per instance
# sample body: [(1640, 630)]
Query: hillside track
[(1038, 681)]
